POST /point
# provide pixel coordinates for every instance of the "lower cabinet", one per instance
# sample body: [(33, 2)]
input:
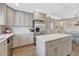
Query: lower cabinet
[(22, 39), (59, 47), (52, 51), (16, 41), (3, 48)]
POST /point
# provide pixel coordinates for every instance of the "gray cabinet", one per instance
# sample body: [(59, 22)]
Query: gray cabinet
[(28, 19), (2, 13), (23, 39), (58, 47), (23, 19), (19, 18), (16, 41), (39, 16), (3, 48), (10, 16), (61, 47)]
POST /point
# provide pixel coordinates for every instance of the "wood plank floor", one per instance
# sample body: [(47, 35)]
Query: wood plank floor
[(25, 51), (31, 51)]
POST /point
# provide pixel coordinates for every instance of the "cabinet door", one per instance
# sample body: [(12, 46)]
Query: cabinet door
[(10, 16), (19, 40), (28, 19), (16, 41), (52, 51), (61, 50), (19, 19), (4, 48), (25, 39), (30, 38), (52, 48), (2, 13), (22, 19), (64, 46), (1, 49), (39, 16), (22, 39), (68, 46)]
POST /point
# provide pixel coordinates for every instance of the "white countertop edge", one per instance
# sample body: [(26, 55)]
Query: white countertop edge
[(6, 36), (49, 37)]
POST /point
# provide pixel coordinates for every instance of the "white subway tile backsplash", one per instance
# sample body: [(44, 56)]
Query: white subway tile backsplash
[(21, 30)]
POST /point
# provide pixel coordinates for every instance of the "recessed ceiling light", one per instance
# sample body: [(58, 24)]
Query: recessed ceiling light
[(56, 17), (16, 4), (47, 15), (37, 10), (52, 16)]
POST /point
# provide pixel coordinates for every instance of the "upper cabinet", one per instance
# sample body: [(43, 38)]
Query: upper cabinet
[(2, 14), (10, 16), (39, 16), (19, 18), (23, 19), (29, 19)]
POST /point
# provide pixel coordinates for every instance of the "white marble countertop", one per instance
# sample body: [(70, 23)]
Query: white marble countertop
[(50, 37), (5, 36)]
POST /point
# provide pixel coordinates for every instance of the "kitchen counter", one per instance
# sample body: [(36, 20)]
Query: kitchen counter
[(5, 36), (57, 44), (50, 37)]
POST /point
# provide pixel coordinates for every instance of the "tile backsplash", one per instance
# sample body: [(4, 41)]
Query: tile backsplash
[(20, 30), (16, 29)]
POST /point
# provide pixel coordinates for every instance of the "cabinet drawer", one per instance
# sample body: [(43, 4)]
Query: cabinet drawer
[(64, 40), (52, 51), (51, 44)]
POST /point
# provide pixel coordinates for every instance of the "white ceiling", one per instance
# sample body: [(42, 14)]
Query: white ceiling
[(61, 10)]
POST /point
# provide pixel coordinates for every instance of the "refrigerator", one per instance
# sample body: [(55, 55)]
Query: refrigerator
[(39, 28)]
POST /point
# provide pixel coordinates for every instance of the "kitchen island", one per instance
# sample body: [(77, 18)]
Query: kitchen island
[(6, 44), (54, 45)]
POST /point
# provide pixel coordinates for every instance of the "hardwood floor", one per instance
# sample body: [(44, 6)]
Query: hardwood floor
[(25, 51), (31, 51), (75, 50)]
